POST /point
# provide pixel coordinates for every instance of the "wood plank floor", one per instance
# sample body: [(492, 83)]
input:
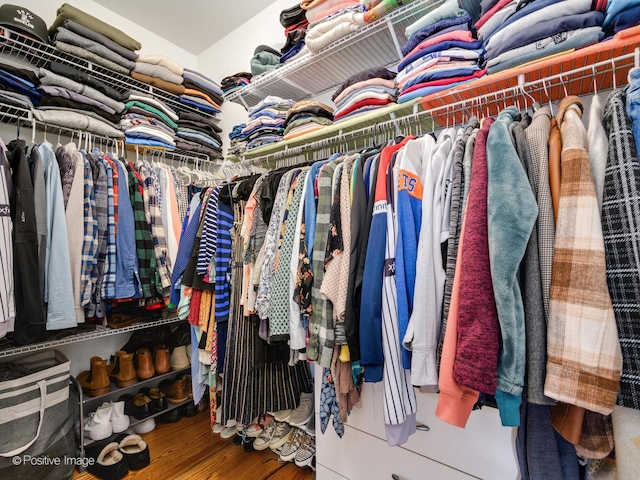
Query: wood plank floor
[(188, 450)]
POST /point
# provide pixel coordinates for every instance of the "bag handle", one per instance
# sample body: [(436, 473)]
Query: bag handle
[(43, 393)]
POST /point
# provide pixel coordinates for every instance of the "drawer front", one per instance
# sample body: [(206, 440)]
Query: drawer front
[(489, 448), (360, 456)]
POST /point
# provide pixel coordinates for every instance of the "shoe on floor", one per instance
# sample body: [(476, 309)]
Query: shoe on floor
[(217, 427), (256, 427), (110, 463), (135, 451), (301, 415), (262, 442), (97, 426), (305, 453), (228, 432), (280, 436), (145, 427), (282, 415), (290, 448)]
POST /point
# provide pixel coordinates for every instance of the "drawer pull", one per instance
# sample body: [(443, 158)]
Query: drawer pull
[(422, 427)]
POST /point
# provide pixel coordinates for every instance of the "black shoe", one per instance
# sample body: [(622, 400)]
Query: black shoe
[(158, 399), (170, 417), (188, 410), (138, 407), (110, 463), (135, 451)]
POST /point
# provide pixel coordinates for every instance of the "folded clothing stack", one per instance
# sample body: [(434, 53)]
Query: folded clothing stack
[(264, 58), (327, 30), (513, 36), (18, 83), (238, 142), (72, 98), (439, 55), (159, 71), (266, 121), (620, 14), (83, 35), (147, 121), (201, 92), (368, 90), (199, 134), (295, 29), (236, 81), (305, 117)]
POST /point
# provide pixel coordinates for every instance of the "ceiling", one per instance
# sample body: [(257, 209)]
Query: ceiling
[(193, 25)]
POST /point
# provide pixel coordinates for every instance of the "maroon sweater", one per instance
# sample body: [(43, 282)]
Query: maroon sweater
[(476, 364)]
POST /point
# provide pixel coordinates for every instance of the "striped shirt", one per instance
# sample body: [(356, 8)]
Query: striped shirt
[(223, 262), (207, 249)]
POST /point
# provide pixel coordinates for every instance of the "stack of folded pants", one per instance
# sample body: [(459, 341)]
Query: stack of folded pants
[(74, 99), (80, 34), (237, 141), (149, 122), (18, 83), (363, 92), (159, 71), (234, 82), (266, 121), (295, 29), (513, 36), (201, 92), (305, 117), (441, 54), (198, 133)]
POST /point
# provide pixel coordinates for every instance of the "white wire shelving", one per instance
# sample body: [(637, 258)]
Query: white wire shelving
[(375, 44), (99, 332), (38, 54)]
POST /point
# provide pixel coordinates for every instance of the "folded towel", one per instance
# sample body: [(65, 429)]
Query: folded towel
[(161, 60), (68, 12)]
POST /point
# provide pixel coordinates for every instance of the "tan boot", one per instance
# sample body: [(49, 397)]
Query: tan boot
[(123, 372), (176, 391), (144, 364), (95, 381), (162, 361)]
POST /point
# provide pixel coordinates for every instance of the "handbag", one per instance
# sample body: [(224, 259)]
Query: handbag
[(36, 419)]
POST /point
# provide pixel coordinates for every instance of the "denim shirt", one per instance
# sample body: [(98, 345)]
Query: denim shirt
[(127, 279)]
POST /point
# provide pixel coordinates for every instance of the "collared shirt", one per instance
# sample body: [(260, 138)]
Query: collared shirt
[(89, 243), (108, 287)]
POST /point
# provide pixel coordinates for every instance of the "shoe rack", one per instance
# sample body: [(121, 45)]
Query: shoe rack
[(89, 404)]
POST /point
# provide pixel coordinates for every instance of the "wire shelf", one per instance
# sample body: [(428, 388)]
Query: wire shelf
[(593, 69), (40, 55), (99, 332), (312, 74)]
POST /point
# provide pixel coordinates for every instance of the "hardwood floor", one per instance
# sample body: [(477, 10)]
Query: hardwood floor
[(188, 450)]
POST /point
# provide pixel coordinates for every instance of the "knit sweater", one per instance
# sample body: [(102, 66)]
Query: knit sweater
[(584, 358)]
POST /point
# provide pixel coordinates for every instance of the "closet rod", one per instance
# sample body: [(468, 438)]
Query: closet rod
[(600, 76)]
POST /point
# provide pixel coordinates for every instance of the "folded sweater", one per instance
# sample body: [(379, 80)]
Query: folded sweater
[(161, 60), (158, 71)]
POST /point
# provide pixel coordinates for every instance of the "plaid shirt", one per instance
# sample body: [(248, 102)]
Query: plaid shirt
[(114, 169), (96, 307), (152, 210), (108, 289), (90, 241), (144, 243), (182, 185)]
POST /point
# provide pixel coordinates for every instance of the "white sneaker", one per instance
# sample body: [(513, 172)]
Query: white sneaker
[(280, 436), (290, 448), (305, 453), (262, 442), (217, 427), (228, 432), (255, 429), (301, 415), (119, 421), (97, 426), (282, 415), (145, 427)]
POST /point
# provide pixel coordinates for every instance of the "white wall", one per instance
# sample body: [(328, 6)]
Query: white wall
[(151, 43)]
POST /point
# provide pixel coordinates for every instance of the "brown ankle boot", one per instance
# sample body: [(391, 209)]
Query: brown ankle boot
[(176, 391), (95, 381), (123, 372), (162, 360), (144, 364)]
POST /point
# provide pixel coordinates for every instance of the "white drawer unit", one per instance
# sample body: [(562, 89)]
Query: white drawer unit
[(484, 449)]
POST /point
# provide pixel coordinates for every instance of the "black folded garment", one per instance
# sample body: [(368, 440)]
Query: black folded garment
[(235, 79), (85, 79), (190, 146), (307, 112), (200, 127), (195, 118), (16, 67), (292, 15), (53, 101), (265, 131), (293, 38)]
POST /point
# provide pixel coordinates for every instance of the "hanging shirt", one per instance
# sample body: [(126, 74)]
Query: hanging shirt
[(75, 228), (7, 301), (108, 283), (89, 244), (127, 278)]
